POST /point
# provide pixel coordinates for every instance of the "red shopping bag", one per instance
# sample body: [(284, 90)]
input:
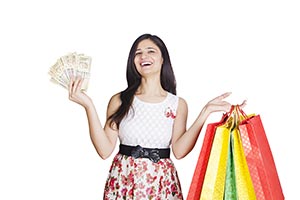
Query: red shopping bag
[(260, 159), (201, 166), (199, 173)]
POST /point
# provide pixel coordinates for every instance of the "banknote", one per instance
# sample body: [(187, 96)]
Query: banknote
[(71, 65)]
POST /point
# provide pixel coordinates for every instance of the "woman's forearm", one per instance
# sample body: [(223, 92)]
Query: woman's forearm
[(187, 141), (102, 143)]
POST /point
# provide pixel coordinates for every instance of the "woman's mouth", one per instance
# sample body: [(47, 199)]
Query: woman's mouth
[(146, 63)]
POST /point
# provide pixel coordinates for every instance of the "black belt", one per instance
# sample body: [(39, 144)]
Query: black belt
[(139, 152)]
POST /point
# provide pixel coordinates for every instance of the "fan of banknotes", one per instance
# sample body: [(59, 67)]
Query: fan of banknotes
[(71, 65)]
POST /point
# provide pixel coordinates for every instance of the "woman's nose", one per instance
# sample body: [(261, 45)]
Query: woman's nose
[(144, 55)]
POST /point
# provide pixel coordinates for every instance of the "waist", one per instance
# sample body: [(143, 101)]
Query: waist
[(154, 154)]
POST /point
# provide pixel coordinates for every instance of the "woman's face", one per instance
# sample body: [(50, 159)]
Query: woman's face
[(148, 58)]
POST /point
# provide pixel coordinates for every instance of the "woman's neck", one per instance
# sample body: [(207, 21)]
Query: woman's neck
[(151, 87)]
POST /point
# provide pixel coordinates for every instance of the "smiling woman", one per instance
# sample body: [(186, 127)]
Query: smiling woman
[(149, 119), (250, 48)]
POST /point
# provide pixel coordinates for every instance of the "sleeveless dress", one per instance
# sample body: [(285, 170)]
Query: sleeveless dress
[(149, 125)]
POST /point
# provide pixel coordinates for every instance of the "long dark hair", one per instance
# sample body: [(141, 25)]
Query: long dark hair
[(167, 77)]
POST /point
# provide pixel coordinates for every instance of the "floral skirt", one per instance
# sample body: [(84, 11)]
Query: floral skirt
[(142, 179)]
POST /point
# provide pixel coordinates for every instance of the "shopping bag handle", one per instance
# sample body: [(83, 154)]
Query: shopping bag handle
[(237, 114), (234, 116), (241, 112), (228, 114)]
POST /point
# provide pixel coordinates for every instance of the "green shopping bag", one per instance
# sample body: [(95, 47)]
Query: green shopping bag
[(230, 183)]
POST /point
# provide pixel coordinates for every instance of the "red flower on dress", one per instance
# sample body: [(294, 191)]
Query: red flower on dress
[(169, 112), (112, 183), (124, 191)]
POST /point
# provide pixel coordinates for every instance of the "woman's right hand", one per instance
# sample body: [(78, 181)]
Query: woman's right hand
[(76, 94)]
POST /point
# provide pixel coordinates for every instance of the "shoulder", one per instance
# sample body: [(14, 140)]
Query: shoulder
[(114, 102), (116, 98), (177, 98), (182, 110), (179, 101), (182, 104)]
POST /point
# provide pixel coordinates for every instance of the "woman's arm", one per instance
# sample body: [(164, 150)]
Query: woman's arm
[(103, 139), (183, 141)]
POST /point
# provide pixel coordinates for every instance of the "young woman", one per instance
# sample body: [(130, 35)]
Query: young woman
[(149, 120)]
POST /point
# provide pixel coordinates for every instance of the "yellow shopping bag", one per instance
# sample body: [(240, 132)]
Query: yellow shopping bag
[(244, 185), (214, 180)]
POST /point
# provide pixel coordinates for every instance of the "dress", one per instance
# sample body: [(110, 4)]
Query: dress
[(149, 125)]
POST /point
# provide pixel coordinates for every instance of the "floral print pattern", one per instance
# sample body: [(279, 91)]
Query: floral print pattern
[(141, 179)]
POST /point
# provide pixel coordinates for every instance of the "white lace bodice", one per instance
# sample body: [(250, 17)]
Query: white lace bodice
[(149, 125)]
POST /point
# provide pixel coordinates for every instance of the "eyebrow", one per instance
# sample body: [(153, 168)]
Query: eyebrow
[(146, 48)]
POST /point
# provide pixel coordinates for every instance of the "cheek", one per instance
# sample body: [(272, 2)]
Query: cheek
[(158, 58), (136, 61), (160, 61), (136, 64)]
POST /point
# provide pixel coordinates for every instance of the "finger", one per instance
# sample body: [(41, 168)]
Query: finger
[(220, 98), (243, 104), (224, 106), (80, 84), (75, 84), (223, 96), (71, 86), (227, 107)]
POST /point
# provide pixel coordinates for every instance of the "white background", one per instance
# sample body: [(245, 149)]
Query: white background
[(249, 48)]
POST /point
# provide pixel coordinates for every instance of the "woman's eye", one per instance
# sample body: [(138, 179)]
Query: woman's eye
[(151, 51), (138, 53)]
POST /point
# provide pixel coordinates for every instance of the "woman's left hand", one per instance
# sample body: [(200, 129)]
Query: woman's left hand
[(218, 104)]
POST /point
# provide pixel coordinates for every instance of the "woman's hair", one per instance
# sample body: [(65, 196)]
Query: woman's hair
[(167, 77)]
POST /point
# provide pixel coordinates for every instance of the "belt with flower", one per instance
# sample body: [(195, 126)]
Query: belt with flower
[(153, 154)]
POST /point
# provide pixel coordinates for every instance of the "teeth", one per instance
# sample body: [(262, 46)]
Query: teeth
[(146, 63)]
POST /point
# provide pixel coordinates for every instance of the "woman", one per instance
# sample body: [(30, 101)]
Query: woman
[(149, 120)]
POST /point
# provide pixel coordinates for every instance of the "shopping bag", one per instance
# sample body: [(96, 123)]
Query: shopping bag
[(230, 192), (201, 166), (244, 184), (214, 180), (200, 169), (260, 159)]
